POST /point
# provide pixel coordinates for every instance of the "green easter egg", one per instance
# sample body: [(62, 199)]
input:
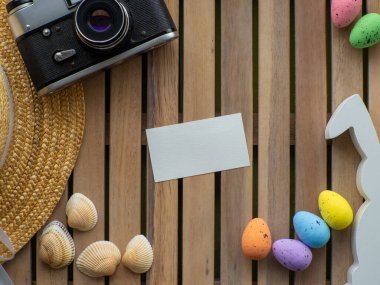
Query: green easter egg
[(366, 31)]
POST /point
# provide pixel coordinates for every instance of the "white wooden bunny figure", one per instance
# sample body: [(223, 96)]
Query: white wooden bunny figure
[(352, 114)]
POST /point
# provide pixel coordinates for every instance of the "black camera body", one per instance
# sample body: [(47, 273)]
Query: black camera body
[(62, 41)]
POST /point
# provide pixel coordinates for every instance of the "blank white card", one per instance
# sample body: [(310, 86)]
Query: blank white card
[(198, 147)]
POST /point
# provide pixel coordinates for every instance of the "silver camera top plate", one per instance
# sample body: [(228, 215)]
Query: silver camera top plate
[(38, 14)]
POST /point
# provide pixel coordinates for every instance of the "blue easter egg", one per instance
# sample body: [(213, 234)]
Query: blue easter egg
[(311, 229)]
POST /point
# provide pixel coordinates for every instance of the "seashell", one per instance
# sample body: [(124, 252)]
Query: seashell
[(56, 245), (99, 259), (81, 213), (138, 255)]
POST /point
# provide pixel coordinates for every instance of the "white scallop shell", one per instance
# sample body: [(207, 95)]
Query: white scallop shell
[(138, 255), (81, 213), (99, 259), (56, 246)]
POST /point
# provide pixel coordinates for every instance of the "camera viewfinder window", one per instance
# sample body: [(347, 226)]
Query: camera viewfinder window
[(72, 3)]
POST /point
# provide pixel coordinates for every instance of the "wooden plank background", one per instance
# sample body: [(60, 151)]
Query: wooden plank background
[(236, 97), (285, 68), (311, 108), (198, 103)]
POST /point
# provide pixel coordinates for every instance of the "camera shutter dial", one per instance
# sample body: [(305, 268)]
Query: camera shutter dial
[(17, 4)]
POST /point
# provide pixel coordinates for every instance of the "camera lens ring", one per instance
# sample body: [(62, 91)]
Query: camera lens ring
[(102, 39)]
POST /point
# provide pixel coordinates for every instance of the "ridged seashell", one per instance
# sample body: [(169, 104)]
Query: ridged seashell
[(99, 259), (56, 245), (138, 255), (81, 213)]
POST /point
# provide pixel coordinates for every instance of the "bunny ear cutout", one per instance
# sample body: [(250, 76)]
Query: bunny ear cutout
[(352, 114), (341, 120)]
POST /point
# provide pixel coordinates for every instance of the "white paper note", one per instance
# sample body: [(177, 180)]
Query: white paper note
[(198, 147)]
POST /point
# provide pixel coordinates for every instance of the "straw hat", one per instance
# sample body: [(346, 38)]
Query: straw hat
[(40, 139)]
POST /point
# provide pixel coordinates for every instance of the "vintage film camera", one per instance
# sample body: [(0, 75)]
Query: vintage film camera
[(62, 41)]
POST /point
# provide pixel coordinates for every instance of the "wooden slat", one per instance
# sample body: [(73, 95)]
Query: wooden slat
[(236, 97), (311, 108), (162, 198), (255, 132), (274, 157), (89, 170), (20, 268), (198, 98), (125, 161), (347, 72), (46, 275)]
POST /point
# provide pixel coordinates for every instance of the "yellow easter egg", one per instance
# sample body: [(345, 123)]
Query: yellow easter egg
[(335, 210)]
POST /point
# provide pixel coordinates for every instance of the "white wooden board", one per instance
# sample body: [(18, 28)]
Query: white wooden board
[(353, 115)]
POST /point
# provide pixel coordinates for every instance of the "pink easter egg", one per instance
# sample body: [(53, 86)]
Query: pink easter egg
[(344, 12)]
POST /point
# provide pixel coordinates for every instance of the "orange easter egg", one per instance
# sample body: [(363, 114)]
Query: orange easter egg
[(256, 241)]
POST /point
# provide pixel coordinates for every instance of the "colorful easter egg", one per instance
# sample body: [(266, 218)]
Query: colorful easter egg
[(292, 254), (366, 31), (256, 241), (335, 210), (311, 229), (344, 12)]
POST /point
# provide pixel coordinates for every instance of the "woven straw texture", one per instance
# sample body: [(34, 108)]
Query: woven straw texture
[(45, 143), (4, 114)]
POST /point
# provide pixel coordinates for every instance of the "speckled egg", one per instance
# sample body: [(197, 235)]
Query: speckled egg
[(335, 210), (311, 229), (366, 31), (256, 241), (344, 12), (292, 254)]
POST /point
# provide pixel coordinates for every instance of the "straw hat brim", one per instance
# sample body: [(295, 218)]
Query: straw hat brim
[(44, 146)]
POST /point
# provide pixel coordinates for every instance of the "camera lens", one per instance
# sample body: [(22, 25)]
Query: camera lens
[(100, 20), (102, 24)]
